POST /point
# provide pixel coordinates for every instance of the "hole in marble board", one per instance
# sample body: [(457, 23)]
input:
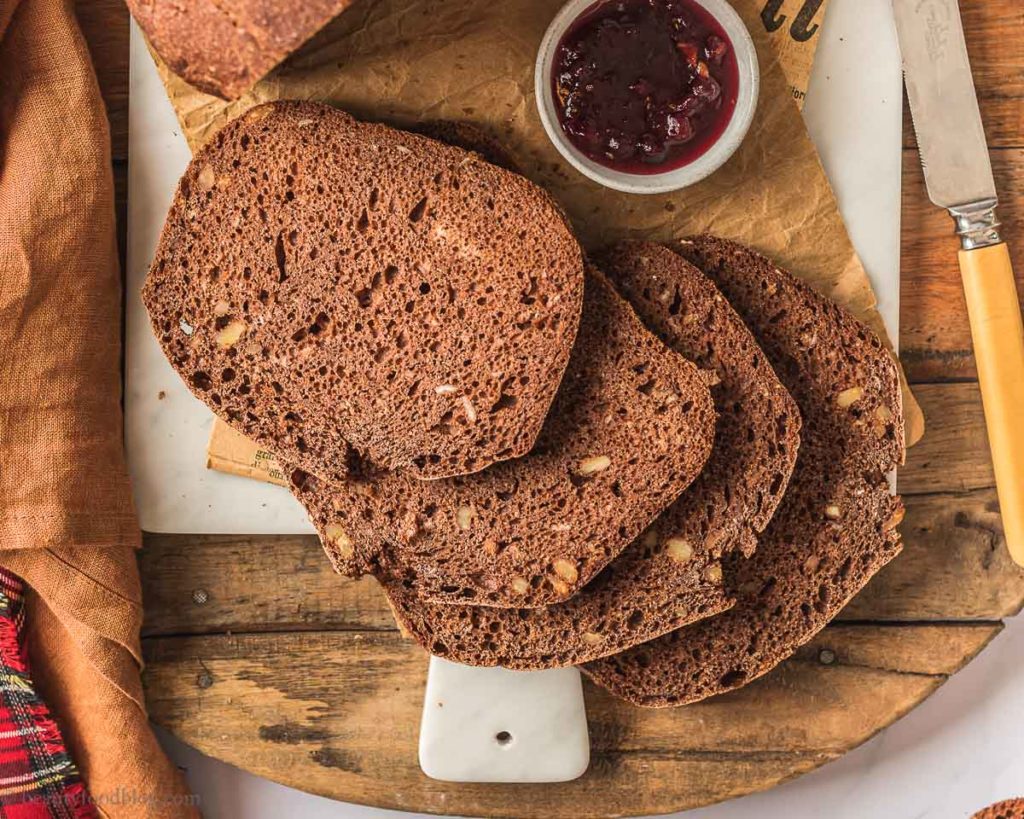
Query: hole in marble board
[(503, 738)]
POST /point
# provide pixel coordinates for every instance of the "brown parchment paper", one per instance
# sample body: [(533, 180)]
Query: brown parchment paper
[(403, 61), (792, 27), (230, 451)]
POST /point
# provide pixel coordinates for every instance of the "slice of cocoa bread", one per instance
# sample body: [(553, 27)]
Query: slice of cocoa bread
[(340, 292), (836, 525), (631, 427), (670, 576), (1008, 809), (225, 48)]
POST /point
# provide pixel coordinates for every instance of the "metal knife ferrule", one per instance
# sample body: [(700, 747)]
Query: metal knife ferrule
[(977, 224)]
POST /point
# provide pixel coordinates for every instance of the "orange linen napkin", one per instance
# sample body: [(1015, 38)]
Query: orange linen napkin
[(67, 524)]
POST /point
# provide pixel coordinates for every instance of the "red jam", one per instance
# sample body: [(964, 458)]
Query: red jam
[(645, 86)]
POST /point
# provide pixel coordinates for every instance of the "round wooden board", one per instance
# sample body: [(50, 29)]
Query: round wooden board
[(260, 656)]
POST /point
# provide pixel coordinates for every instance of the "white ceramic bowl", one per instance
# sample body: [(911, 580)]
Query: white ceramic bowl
[(706, 164)]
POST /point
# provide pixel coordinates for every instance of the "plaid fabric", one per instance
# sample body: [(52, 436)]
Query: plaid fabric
[(38, 780)]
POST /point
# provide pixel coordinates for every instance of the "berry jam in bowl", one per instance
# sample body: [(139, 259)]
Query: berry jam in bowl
[(647, 96)]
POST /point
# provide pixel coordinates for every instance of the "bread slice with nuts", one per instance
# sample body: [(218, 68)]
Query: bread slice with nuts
[(836, 525), (672, 575), (631, 427), (225, 48), (344, 292)]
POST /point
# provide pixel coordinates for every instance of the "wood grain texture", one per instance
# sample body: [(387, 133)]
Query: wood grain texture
[(105, 26), (954, 568), (953, 456), (260, 655), (935, 336), (994, 30), (251, 701)]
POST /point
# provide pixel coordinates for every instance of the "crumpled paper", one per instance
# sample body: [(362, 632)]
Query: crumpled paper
[(403, 61)]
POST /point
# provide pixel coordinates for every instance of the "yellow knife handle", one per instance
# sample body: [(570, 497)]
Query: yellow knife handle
[(999, 351)]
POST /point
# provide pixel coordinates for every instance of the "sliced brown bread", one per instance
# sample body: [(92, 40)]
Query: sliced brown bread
[(836, 525), (631, 427), (344, 292), (225, 48), (670, 576), (1008, 809), (758, 432)]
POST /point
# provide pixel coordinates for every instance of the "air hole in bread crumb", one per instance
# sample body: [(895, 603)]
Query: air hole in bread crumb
[(676, 305), (364, 222), (418, 210), (732, 678), (505, 401), (319, 324), (282, 272)]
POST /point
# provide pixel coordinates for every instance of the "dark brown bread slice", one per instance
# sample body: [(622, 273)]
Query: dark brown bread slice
[(758, 433), (671, 576), (341, 291), (224, 48), (836, 525), (631, 427)]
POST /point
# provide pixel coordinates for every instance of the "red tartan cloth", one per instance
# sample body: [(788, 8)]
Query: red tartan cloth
[(38, 778)]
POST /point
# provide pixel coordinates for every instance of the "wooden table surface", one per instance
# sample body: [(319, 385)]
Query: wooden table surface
[(260, 656)]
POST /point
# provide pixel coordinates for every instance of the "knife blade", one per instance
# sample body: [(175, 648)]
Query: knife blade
[(958, 173), (943, 102)]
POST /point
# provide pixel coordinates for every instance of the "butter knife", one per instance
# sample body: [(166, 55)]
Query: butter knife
[(958, 173)]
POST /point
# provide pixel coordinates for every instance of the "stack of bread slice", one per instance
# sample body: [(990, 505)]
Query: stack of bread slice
[(665, 464)]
